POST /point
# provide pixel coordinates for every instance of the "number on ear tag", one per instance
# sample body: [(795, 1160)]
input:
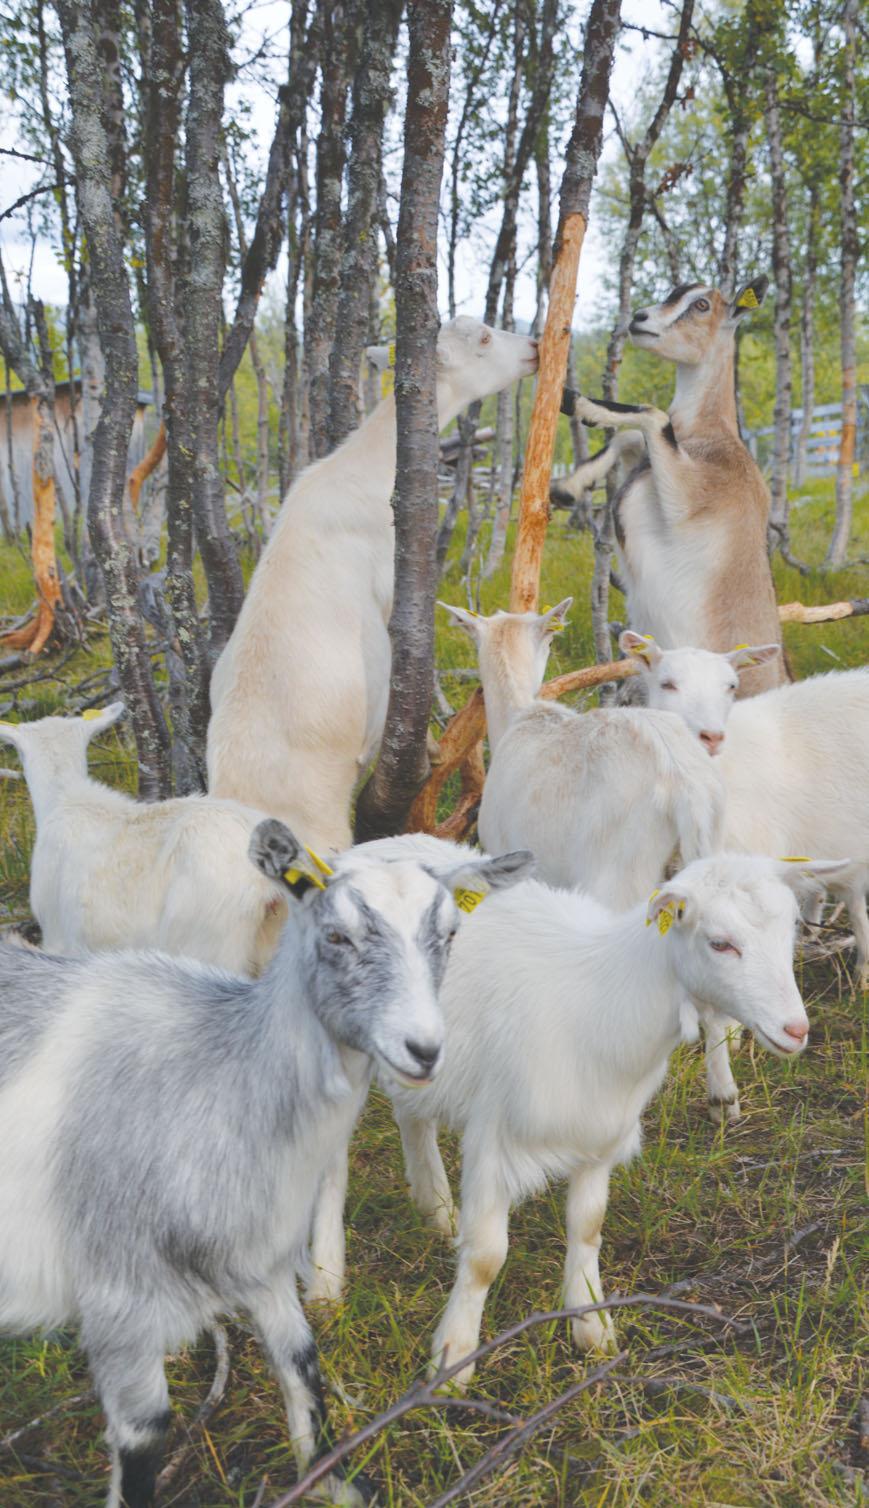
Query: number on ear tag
[(468, 900), (748, 300), (665, 920)]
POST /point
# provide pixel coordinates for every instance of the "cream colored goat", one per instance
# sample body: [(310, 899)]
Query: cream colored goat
[(299, 694)]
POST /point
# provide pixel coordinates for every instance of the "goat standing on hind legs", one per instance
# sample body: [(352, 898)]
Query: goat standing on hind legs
[(691, 514)]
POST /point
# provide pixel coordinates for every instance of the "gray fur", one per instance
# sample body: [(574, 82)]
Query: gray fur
[(182, 1122)]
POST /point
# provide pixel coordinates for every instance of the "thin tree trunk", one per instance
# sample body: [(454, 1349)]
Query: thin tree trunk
[(260, 508), (581, 160), (341, 20), (470, 105), (403, 763), (371, 98), (503, 458), (202, 295), (163, 70), (738, 87), (781, 266), (807, 336), (847, 296), (91, 152)]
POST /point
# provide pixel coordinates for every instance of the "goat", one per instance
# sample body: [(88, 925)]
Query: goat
[(165, 1127), (691, 514), (793, 760), (299, 694), (111, 872), (602, 798), (561, 1017)]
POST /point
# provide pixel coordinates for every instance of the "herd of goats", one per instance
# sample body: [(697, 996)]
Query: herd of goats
[(184, 1061)]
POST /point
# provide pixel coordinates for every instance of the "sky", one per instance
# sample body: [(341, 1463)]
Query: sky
[(268, 19)]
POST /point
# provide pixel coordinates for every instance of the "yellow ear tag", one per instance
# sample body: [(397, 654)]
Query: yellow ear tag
[(665, 920), (798, 859), (91, 713), (651, 898), (390, 360), (554, 628), (320, 863), (748, 300), (468, 900), (293, 876)]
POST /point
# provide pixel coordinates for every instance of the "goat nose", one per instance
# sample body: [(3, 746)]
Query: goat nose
[(711, 741), (799, 1030), (426, 1053)]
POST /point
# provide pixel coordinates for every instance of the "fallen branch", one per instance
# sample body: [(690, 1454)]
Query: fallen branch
[(9, 1441), (424, 1392)]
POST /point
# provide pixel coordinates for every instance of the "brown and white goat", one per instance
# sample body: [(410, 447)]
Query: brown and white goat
[(691, 512)]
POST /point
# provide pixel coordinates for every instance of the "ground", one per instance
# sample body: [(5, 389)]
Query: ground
[(766, 1220)]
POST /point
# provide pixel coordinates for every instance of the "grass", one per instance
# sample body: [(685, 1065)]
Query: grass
[(766, 1219)]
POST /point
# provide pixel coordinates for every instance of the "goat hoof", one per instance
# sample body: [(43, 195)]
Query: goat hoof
[(325, 1288), (443, 1350), (594, 1332), (723, 1112), (443, 1220)]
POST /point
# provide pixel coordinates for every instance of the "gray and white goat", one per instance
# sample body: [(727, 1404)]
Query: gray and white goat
[(165, 1127)]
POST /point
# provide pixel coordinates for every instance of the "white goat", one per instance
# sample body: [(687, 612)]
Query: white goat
[(299, 694), (602, 798), (561, 1017), (793, 761), (111, 872), (165, 1126)]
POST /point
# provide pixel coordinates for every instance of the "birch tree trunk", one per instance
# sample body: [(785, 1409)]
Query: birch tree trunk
[(807, 336), (403, 763), (341, 20), (847, 295), (781, 265), (209, 71), (503, 458), (371, 98), (91, 152), (581, 158)]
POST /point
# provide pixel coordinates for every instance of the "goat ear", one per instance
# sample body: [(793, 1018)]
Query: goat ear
[(280, 856), (10, 733), (381, 357), (640, 646), (464, 618), (472, 881), (752, 654), (99, 718), (798, 873), (749, 297), (666, 908), (554, 619)]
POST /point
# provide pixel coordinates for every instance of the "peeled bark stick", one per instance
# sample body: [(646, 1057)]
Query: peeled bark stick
[(824, 612), (148, 463), (581, 157)]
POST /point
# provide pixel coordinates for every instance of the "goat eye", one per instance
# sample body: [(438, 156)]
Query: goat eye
[(338, 940), (702, 304), (721, 945), (732, 688), (668, 685)]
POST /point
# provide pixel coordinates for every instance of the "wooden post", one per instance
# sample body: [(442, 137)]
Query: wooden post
[(581, 159)]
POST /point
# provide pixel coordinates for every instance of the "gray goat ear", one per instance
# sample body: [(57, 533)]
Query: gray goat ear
[(472, 881), (280, 856)]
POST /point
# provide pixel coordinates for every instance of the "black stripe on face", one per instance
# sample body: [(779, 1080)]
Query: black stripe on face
[(674, 297)]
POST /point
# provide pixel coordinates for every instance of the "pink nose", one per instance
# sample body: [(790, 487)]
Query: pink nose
[(799, 1030), (711, 741)]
